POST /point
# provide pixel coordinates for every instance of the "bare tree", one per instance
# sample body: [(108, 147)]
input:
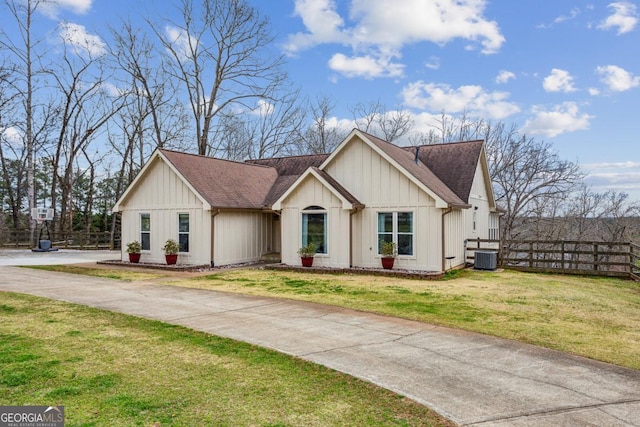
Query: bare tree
[(136, 55), (324, 133), (85, 107), (220, 52), (374, 118), (23, 49)]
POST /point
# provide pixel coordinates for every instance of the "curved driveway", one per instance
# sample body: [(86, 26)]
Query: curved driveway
[(473, 379)]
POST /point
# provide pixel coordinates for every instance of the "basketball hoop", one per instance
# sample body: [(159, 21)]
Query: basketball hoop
[(42, 214)]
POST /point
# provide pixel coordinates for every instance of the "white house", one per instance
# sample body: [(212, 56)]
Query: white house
[(426, 199)]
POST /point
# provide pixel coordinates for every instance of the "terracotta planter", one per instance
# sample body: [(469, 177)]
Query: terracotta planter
[(387, 263), (134, 258), (171, 259), (307, 261)]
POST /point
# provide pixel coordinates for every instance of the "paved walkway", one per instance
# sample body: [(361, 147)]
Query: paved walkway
[(473, 379)]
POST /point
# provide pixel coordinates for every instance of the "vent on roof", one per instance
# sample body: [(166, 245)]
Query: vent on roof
[(485, 260)]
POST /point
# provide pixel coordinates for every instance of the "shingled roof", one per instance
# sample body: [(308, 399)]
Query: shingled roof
[(454, 163), (289, 169), (420, 171), (224, 183), (448, 170)]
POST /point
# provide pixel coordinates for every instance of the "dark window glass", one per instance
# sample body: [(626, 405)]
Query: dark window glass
[(145, 231), (183, 232)]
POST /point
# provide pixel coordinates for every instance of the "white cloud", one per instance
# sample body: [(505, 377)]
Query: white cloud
[(504, 76), (80, 40), (433, 64), (561, 119), (180, 40), (558, 81), (264, 108), (617, 79), (473, 99), (13, 136), (594, 91), (377, 30), (624, 17), (53, 8), (572, 15), (365, 66), (619, 176)]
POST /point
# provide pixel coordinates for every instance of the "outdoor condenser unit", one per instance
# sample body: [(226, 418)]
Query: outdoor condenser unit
[(485, 260)]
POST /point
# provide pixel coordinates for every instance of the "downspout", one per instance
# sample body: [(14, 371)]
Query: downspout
[(213, 215), (444, 259)]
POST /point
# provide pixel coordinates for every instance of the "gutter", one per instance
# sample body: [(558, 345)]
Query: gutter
[(444, 259)]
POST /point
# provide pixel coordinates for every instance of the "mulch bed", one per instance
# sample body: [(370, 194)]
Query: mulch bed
[(404, 274)]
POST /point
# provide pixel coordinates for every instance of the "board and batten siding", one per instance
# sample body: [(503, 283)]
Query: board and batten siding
[(381, 187), (312, 192), (478, 198), (455, 234), (163, 195), (242, 236)]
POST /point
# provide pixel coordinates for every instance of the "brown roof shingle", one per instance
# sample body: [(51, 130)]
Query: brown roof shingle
[(454, 163), (224, 183), (419, 170), (289, 169)]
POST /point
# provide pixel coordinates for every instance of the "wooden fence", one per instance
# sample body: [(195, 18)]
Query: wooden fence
[(73, 240), (618, 259)]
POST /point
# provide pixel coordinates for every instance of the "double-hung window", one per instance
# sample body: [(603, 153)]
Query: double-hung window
[(145, 231), (183, 232), (396, 227), (314, 228)]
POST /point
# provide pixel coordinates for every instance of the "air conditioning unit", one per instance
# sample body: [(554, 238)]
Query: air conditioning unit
[(485, 260)]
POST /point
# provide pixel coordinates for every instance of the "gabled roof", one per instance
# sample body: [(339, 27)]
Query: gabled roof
[(405, 162), (224, 183), (289, 170), (348, 200), (454, 163), (444, 171)]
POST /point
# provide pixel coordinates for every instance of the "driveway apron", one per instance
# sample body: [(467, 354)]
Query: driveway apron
[(473, 379)]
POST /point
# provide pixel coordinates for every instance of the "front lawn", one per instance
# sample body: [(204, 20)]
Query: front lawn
[(593, 317), (110, 369)]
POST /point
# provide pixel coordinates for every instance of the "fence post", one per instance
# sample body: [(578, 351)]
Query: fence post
[(530, 254), (595, 256)]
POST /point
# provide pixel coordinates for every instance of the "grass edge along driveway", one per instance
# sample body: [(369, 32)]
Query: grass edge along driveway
[(594, 317), (112, 369)]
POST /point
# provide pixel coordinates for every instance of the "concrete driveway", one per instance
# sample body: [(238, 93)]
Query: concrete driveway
[(473, 379), (61, 256)]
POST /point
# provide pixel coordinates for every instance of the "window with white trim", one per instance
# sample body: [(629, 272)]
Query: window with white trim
[(396, 227), (314, 228), (183, 232), (145, 231)]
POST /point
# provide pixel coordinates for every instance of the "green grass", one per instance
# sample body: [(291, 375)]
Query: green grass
[(593, 317), (111, 369)]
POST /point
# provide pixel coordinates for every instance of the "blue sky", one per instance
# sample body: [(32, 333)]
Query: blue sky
[(567, 72)]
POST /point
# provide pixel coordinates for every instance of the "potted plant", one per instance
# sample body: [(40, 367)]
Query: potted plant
[(389, 251), (306, 254), (133, 249), (171, 248)]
